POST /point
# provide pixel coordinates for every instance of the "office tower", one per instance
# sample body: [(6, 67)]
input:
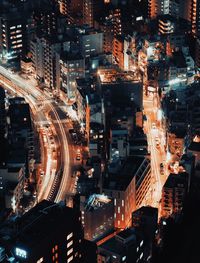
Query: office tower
[(48, 232)]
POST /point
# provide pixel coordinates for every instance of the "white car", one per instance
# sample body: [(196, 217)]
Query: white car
[(153, 125)]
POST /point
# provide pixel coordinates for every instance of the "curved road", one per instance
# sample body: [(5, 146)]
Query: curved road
[(27, 86)]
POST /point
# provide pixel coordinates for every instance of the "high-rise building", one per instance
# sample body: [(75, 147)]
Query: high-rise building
[(176, 8), (91, 11), (48, 232), (90, 41), (45, 57), (173, 194), (128, 187), (45, 16), (97, 214), (12, 34), (72, 67)]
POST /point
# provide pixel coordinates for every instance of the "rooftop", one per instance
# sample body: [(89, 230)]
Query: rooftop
[(176, 180), (35, 225), (122, 178), (96, 201)]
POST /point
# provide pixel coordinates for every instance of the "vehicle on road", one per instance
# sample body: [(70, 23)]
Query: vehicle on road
[(161, 168), (78, 155), (153, 125)]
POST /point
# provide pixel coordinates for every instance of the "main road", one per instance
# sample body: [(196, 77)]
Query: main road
[(35, 96), (156, 144)]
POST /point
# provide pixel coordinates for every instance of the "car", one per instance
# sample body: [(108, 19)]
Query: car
[(78, 157), (161, 165), (162, 168), (42, 173), (153, 125)]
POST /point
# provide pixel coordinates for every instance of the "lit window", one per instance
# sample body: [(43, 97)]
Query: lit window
[(20, 253), (56, 247), (122, 202), (69, 236), (40, 260), (56, 255), (141, 243), (70, 259), (69, 244), (122, 217), (118, 209), (69, 251)]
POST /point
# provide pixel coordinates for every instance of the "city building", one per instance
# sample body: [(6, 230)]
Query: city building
[(173, 194), (97, 215), (90, 41), (127, 184), (2, 113), (48, 232), (12, 180), (120, 46), (125, 246), (20, 128), (45, 16), (91, 11), (13, 34), (145, 220), (72, 67), (45, 58)]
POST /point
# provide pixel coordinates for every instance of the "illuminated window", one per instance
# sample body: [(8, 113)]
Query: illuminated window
[(69, 236), (69, 251), (40, 260), (118, 209), (69, 244), (21, 253), (122, 202), (70, 259), (115, 201), (122, 217), (56, 247)]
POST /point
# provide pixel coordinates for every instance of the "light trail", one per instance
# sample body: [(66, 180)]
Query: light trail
[(31, 90)]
